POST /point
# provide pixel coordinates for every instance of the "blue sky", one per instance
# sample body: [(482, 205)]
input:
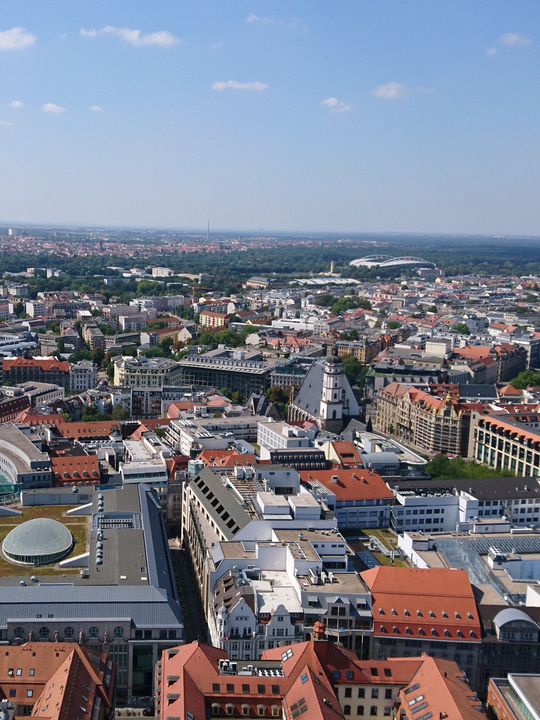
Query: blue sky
[(343, 115)]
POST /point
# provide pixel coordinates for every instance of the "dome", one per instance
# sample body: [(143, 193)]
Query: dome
[(38, 542)]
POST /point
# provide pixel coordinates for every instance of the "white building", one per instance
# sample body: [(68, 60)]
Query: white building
[(82, 376), (280, 436)]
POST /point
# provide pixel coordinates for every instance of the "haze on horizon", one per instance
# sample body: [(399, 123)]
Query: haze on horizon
[(377, 117)]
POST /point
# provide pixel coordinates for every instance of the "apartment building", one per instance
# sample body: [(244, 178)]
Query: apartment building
[(45, 370), (507, 441), (360, 498), (426, 422), (432, 611), (277, 592), (318, 680), (145, 373)]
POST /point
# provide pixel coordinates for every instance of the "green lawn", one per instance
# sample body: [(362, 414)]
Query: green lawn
[(78, 526)]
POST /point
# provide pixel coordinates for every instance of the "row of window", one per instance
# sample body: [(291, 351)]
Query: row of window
[(68, 632), (360, 710)]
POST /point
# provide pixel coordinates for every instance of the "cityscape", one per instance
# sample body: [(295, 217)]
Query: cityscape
[(250, 470)]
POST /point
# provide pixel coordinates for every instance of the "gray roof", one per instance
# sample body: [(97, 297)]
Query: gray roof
[(114, 589), (38, 537), (308, 397), (208, 486), (512, 615), (473, 391), (146, 607)]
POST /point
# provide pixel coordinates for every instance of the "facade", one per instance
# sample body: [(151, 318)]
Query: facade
[(360, 498), (22, 465), (46, 370), (427, 423), (237, 371), (508, 442), (432, 611), (213, 320), (13, 401), (277, 593), (93, 336), (364, 350), (280, 436), (82, 376), (318, 680), (145, 373)]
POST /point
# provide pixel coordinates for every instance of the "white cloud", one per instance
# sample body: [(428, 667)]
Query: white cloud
[(256, 86), (491, 51), (16, 104), (160, 38), (16, 39), (5, 123), (336, 105), (53, 109), (391, 91), (515, 40), (274, 20), (95, 108)]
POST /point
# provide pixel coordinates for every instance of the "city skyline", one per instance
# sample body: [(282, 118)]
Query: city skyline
[(395, 118)]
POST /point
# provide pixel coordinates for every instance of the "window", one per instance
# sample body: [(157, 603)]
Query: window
[(276, 711), (215, 709), (373, 710), (346, 709), (230, 688), (361, 692), (360, 710), (44, 632), (260, 710), (216, 687), (374, 693), (245, 709), (348, 692), (18, 672), (32, 672), (19, 632), (12, 692), (275, 689), (229, 709), (388, 693), (29, 693), (118, 631), (93, 632), (245, 689)]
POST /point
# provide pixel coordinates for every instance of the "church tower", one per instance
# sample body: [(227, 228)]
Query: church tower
[(332, 398)]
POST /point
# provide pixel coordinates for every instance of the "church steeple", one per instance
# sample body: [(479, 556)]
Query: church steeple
[(331, 407)]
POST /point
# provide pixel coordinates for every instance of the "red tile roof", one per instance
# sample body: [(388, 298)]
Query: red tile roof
[(441, 689), (226, 458), (70, 469), (437, 603), (46, 364), (350, 485)]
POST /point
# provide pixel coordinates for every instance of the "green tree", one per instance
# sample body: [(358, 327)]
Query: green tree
[(393, 324), (457, 468), (461, 328), (119, 413), (98, 355), (525, 379)]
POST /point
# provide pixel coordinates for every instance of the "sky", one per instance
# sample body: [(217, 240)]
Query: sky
[(302, 115)]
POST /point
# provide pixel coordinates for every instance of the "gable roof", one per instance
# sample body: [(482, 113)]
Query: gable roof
[(351, 484), (410, 602)]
